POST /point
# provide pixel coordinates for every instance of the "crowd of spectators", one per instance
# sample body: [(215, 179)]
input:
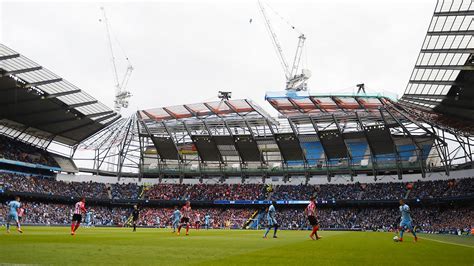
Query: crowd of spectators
[(205, 191), (50, 186), (18, 151), (125, 191), (327, 192)]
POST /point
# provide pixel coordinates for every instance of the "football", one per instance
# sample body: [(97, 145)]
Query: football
[(395, 238)]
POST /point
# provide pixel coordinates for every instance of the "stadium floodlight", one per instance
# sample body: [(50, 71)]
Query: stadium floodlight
[(224, 95)]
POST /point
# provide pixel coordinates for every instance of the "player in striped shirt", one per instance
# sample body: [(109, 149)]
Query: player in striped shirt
[(79, 208), (310, 211), (186, 213)]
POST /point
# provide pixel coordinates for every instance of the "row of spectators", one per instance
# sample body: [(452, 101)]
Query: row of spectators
[(18, 151), (428, 219), (356, 191)]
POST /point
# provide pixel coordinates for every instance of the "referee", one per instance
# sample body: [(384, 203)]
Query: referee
[(135, 216)]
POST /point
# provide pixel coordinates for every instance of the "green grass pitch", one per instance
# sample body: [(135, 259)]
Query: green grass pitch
[(119, 246)]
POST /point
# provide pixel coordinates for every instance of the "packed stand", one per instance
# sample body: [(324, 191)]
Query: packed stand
[(18, 151), (45, 185), (210, 192), (125, 191)]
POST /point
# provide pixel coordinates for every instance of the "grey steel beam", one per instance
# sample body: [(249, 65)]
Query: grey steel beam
[(419, 148), (448, 67), (43, 82), (55, 95), (450, 33), (19, 71), (5, 57), (434, 82), (449, 51), (454, 13)]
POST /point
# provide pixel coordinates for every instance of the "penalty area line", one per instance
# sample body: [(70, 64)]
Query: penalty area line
[(445, 242)]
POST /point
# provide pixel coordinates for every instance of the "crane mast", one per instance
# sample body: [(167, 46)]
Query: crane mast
[(275, 42), (294, 81), (122, 95)]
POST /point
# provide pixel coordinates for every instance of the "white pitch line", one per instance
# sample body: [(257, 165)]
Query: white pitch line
[(444, 242)]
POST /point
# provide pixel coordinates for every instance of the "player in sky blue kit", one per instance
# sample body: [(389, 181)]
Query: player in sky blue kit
[(271, 220), (207, 221), (175, 218), (406, 222), (13, 207)]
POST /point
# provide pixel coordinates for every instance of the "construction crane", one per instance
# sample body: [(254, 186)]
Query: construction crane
[(122, 95), (294, 81)]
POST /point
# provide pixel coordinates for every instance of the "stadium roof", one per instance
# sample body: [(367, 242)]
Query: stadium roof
[(36, 101), (292, 104), (206, 110), (442, 81)]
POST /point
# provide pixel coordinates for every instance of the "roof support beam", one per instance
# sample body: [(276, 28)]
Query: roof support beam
[(19, 71), (450, 33), (43, 82), (100, 114), (448, 67), (55, 95), (10, 56), (419, 150), (434, 82), (449, 51), (454, 13), (82, 104), (425, 96)]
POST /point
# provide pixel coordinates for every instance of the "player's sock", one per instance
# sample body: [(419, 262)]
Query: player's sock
[(401, 234), (275, 231), (134, 227), (179, 229), (266, 232), (73, 225), (315, 229), (187, 229), (8, 226), (77, 226)]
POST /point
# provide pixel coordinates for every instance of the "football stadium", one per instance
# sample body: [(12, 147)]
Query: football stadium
[(306, 176)]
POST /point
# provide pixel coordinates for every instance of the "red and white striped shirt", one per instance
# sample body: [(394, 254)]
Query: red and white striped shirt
[(21, 211), (311, 209), (186, 211), (80, 207)]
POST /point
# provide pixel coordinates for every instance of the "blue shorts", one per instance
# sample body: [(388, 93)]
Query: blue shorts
[(271, 222), (12, 216), (175, 222), (406, 225)]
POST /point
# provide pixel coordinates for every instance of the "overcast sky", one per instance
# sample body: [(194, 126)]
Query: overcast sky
[(184, 52)]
